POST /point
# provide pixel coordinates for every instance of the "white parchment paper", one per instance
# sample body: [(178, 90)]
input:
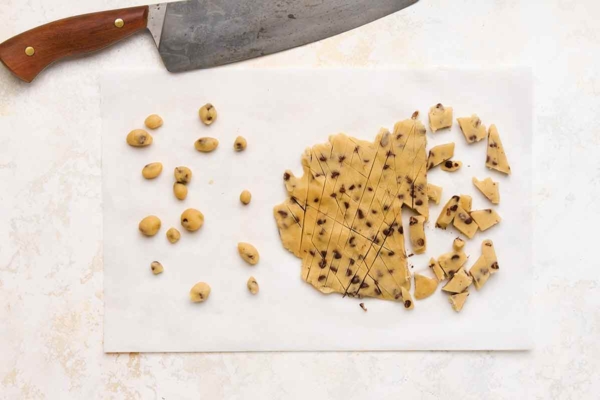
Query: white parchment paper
[(281, 112)]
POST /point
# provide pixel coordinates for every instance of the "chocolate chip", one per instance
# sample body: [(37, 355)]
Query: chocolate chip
[(407, 304), (351, 187), (336, 255), (469, 221), (448, 164), (282, 213), (324, 253), (335, 174), (419, 202), (454, 207), (348, 272), (495, 266), (334, 269), (370, 189), (312, 252), (341, 158), (286, 176), (364, 285), (412, 221), (342, 189), (334, 195), (374, 211), (360, 213), (322, 278), (352, 261), (316, 200), (401, 230), (455, 257), (346, 204), (323, 158), (391, 253), (421, 242), (369, 224), (377, 292), (323, 263), (385, 167), (356, 149), (355, 280)]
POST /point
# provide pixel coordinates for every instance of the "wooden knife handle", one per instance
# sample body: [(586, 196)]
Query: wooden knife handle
[(27, 54)]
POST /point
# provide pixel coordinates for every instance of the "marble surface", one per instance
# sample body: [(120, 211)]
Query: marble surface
[(51, 228)]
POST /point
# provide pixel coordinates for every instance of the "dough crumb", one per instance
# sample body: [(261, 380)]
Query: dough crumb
[(440, 117)]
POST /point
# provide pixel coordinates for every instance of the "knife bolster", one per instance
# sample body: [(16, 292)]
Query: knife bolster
[(27, 54)]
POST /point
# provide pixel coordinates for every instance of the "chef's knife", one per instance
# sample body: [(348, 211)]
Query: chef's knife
[(195, 33)]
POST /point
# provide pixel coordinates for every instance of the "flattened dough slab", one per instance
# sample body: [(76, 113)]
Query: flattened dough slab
[(343, 217)]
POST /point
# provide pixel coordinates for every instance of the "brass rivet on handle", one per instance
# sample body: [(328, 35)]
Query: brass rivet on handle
[(30, 51), (119, 23)]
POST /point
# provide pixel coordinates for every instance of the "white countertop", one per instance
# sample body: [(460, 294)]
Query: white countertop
[(51, 228)]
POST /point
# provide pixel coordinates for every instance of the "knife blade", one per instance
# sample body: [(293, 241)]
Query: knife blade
[(195, 33)]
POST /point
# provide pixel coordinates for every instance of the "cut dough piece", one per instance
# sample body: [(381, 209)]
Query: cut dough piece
[(480, 272), (459, 282), (464, 223), (485, 219), (407, 299), (458, 300), (434, 193), (424, 286), (440, 117), (472, 128), (448, 213), (458, 244), (465, 202), (496, 157), (439, 154), (451, 165), (416, 231), (409, 159), (488, 251), (485, 266), (489, 188), (437, 270), (452, 262)]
